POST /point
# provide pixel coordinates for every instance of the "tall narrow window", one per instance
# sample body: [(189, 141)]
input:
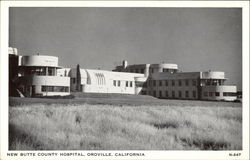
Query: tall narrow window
[(179, 82), (173, 94), (160, 83), (154, 83), (173, 83), (180, 94), (186, 81), (166, 92), (187, 94), (114, 82), (166, 82), (126, 83), (194, 94)]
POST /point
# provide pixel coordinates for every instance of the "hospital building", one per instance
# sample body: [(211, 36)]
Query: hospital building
[(40, 75)]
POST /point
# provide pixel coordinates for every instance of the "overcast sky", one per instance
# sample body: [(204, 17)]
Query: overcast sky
[(199, 39)]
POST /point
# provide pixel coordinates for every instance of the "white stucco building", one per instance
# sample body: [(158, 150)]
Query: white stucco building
[(40, 75)]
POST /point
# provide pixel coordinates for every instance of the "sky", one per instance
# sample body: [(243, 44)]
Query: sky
[(197, 39)]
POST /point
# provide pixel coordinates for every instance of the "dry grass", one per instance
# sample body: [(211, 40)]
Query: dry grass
[(110, 127)]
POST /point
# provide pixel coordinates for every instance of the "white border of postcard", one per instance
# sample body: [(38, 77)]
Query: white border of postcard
[(173, 155)]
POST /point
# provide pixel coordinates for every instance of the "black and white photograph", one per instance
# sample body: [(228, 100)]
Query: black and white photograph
[(126, 79)]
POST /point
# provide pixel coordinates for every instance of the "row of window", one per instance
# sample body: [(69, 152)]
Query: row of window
[(55, 89), (217, 94), (40, 71), (117, 83), (174, 94), (185, 82)]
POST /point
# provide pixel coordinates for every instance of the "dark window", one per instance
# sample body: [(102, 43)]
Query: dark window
[(180, 94), (55, 89), (229, 94), (126, 83), (160, 83), (142, 70), (186, 81), (160, 95), (154, 83), (119, 83), (114, 82), (131, 84), (217, 94), (145, 85), (166, 82), (173, 83), (179, 82), (187, 94), (139, 84), (166, 92), (194, 94), (173, 94)]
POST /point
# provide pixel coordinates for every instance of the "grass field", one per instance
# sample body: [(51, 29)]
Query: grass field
[(170, 125)]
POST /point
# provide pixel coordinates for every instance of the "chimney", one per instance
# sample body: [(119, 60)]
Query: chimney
[(124, 64)]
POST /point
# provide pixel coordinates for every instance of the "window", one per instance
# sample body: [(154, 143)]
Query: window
[(160, 94), (152, 70), (119, 83), (139, 84), (179, 82), (194, 94), (131, 84), (51, 71), (154, 83), (187, 94), (166, 92), (210, 94), (166, 82), (229, 94), (217, 94), (186, 82), (114, 82), (180, 94), (126, 83), (55, 89), (173, 83), (194, 82), (173, 94), (160, 83), (142, 70)]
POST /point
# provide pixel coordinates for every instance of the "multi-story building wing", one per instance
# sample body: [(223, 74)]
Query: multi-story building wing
[(165, 81), (38, 77)]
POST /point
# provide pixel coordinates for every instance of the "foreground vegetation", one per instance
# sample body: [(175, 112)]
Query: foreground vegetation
[(125, 127)]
